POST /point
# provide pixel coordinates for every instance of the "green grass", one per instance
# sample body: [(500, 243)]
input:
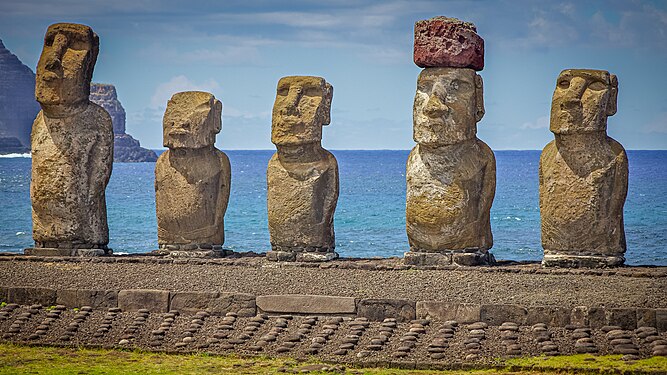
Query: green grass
[(16, 359)]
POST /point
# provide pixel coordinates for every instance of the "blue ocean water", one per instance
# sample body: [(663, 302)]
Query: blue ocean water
[(370, 218)]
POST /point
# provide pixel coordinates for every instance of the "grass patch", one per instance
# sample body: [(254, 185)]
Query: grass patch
[(51, 360)]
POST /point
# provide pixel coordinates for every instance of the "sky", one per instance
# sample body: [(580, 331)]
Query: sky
[(238, 50)]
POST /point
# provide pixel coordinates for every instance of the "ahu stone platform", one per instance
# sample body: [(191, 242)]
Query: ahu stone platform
[(364, 311)]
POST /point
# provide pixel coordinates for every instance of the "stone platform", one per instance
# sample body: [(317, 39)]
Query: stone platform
[(371, 311)]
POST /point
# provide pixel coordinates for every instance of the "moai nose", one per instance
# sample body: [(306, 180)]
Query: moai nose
[(293, 98), (435, 107), (58, 47)]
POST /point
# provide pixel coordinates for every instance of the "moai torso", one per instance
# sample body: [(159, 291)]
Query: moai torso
[(583, 175), (72, 146), (302, 197), (302, 177), (192, 178), (191, 196), (449, 194), (71, 166)]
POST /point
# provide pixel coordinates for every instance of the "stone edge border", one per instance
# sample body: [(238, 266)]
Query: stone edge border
[(384, 264), (247, 305)]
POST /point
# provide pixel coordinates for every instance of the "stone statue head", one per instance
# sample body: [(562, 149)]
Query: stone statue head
[(582, 101), (191, 120), (448, 104), (65, 67), (302, 107)]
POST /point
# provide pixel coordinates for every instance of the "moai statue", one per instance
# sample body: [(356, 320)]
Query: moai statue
[(583, 175), (192, 178), (72, 148), (302, 177), (451, 174)]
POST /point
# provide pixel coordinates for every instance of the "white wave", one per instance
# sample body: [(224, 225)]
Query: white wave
[(20, 233), (120, 253), (15, 155)]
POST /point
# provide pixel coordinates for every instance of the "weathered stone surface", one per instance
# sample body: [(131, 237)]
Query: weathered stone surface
[(583, 175), (93, 298), (306, 304), (192, 178), (29, 296), (136, 299), (661, 320), (451, 175), (72, 145), (448, 42), (645, 318), (18, 107), (626, 318), (214, 302), (125, 148), (427, 259), (380, 309), (553, 316), (448, 311), (302, 177), (495, 315)]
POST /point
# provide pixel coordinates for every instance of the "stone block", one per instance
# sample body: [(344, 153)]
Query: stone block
[(495, 315), (448, 42), (443, 311), (596, 317), (645, 318), (29, 296), (281, 256), (58, 252), (93, 298), (191, 302), (380, 309), (214, 302), (579, 316), (477, 258), (625, 318), (316, 256), (306, 304), (661, 320), (553, 316), (152, 300)]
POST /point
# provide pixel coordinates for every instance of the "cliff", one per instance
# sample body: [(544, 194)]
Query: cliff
[(126, 148), (18, 107)]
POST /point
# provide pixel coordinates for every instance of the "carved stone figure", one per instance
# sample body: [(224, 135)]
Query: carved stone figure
[(72, 148), (583, 175), (192, 178), (302, 177), (451, 174)]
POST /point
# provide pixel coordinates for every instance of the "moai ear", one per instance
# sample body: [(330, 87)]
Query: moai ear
[(479, 98), (328, 97), (217, 115), (612, 104)]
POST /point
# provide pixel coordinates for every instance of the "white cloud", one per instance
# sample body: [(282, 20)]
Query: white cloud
[(539, 123), (164, 91)]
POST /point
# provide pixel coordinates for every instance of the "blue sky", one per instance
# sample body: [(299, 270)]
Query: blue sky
[(238, 50)]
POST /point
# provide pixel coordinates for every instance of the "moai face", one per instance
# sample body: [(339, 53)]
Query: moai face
[(448, 104), (65, 67), (302, 107), (582, 101), (191, 120)]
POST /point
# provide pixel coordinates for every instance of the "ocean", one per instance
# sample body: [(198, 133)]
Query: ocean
[(370, 217)]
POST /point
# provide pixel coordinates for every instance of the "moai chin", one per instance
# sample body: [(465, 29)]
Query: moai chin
[(302, 177), (583, 175), (192, 178), (72, 148), (451, 174)]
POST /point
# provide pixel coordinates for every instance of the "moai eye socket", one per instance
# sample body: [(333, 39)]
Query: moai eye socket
[(564, 83), (597, 86)]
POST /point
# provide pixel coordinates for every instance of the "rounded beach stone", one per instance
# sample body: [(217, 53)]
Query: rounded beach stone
[(448, 42)]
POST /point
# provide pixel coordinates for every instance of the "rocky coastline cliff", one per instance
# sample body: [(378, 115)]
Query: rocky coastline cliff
[(126, 148), (18, 107)]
